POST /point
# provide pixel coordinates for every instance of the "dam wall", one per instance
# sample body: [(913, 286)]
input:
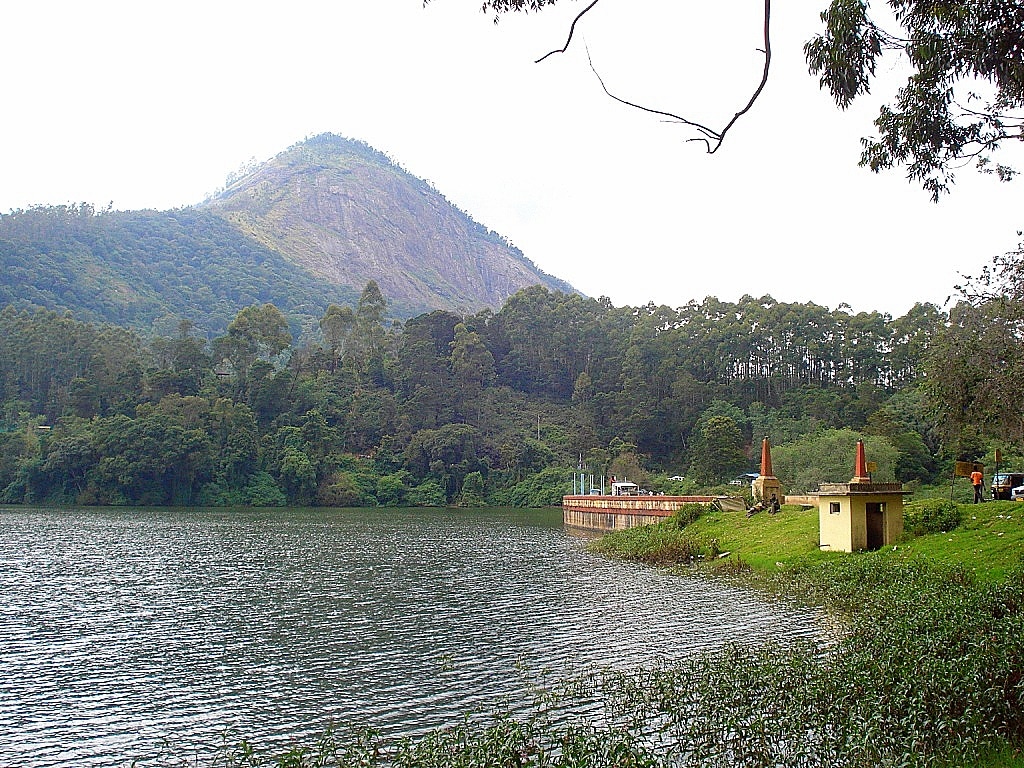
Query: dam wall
[(617, 513)]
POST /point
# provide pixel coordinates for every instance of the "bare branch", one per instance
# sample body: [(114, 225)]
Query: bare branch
[(572, 29), (708, 132), (712, 139), (767, 51)]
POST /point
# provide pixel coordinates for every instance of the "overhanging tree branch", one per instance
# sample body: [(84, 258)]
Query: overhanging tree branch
[(572, 29), (947, 43), (711, 138), (767, 51)]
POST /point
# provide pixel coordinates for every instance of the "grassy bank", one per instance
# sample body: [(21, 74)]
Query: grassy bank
[(989, 541)]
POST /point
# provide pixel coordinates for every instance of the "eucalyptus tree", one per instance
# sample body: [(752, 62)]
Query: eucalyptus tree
[(472, 366), (963, 99), (423, 375), (974, 363), (337, 325), (258, 332), (43, 353), (912, 335), (369, 329)]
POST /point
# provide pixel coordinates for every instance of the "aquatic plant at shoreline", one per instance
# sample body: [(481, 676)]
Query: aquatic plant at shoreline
[(663, 545)]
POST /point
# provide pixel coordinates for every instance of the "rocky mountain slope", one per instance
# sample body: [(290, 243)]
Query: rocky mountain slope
[(347, 214)]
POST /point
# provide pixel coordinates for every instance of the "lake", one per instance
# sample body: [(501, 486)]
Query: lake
[(123, 628)]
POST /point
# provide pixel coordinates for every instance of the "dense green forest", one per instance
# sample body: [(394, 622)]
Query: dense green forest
[(489, 408), (150, 269)]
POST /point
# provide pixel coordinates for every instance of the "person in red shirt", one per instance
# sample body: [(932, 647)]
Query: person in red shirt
[(977, 479)]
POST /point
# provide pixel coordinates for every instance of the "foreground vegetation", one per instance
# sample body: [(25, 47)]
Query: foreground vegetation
[(931, 645)]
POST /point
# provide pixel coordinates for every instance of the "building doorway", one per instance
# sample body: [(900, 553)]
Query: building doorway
[(876, 524)]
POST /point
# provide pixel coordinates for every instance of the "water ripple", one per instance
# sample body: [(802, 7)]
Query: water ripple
[(120, 629)]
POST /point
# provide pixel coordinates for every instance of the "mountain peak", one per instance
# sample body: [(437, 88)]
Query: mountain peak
[(345, 212)]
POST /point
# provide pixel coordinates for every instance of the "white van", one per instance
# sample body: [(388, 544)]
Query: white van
[(625, 489)]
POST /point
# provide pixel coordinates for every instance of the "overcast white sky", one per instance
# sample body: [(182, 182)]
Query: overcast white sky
[(152, 105)]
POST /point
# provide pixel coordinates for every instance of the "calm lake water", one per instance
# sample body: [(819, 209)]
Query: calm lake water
[(122, 628)]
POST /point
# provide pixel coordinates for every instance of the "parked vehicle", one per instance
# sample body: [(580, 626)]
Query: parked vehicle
[(628, 489), (1017, 494), (1004, 483)]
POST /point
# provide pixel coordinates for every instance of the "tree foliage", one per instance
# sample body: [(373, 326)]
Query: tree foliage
[(963, 98), (506, 403), (975, 366), (718, 451), (149, 269), (828, 456)]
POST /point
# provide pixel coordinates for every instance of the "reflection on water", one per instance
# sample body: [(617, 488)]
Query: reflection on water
[(119, 628)]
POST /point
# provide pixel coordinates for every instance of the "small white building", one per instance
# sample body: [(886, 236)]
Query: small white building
[(859, 514)]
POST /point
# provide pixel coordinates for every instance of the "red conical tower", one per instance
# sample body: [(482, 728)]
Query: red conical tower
[(766, 485), (860, 467), (766, 459)]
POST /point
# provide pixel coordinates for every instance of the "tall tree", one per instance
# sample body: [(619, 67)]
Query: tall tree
[(423, 372), (337, 325), (370, 312), (257, 332), (975, 365), (472, 368), (718, 451)]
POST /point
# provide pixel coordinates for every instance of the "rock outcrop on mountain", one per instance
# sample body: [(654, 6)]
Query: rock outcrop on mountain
[(345, 213)]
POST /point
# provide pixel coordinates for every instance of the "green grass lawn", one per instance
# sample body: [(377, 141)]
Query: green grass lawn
[(763, 541), (989, 541)]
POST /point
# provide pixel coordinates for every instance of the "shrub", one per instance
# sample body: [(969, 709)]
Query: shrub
[(472, 494), (345, 489), (931, 516), (544, 489), (662, 544), (391, 489), (263, 491), (429, 493), (688, 513)]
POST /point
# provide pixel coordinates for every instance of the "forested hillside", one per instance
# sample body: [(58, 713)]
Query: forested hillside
[(150, 269), (493, 407)]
